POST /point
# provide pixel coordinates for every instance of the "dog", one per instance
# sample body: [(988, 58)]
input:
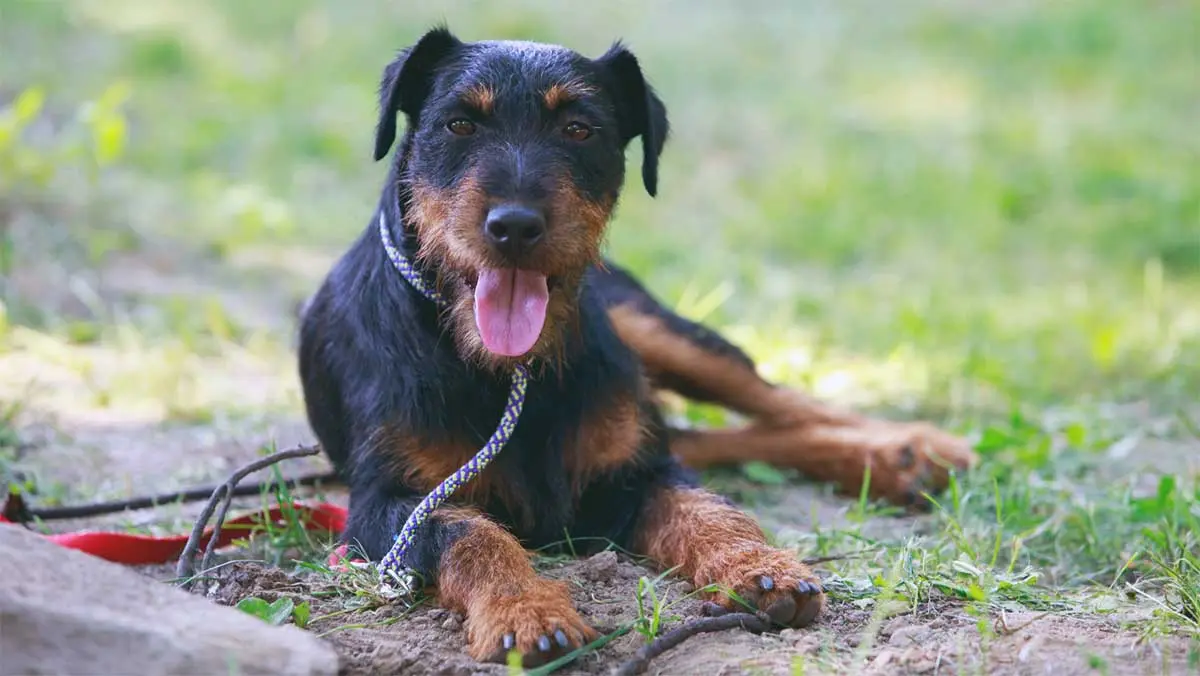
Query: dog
[(499, 193)]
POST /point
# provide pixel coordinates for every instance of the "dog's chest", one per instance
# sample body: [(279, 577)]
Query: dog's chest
[(567, 435)]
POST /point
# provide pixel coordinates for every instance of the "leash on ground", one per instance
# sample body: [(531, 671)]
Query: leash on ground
[(18, 510), (136, 549)]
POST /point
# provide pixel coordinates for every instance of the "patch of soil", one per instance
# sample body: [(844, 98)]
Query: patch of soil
[(936, 638)]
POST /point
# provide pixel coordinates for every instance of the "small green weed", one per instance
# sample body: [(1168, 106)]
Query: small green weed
[(1171, 549), (650, 607), (653, 608), (278, 611)]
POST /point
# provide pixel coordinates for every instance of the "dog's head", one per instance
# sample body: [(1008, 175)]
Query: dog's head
[(511, 164)]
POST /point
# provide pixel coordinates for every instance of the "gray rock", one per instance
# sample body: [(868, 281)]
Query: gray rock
[(601, 567), (913, 634), (895, 624), (65, 612)]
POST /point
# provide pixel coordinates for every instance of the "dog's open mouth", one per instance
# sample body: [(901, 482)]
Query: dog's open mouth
[(510, 309)]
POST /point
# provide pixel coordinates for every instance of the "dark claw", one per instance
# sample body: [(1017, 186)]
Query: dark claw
[(711, 609), (561, 637), (808, 588), (544, 643), (509, 641), (907, 457), (767, 583)]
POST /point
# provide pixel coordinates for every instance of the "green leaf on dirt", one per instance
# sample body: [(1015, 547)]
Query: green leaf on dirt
[(271, 613), (761, 472), (301, 613)]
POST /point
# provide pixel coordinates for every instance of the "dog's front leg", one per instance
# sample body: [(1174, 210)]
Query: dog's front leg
[(486, 574), (711, 542), (480, 570)]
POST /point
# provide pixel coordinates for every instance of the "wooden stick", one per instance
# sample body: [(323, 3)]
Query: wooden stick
[(755, 623), (223, 494)]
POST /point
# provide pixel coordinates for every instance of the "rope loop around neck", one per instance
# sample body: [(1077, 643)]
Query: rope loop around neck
[(406, 268)]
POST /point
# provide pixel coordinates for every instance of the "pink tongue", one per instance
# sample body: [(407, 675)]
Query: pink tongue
[(510, 309)]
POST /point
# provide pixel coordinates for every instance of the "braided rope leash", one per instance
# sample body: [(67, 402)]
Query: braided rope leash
[(390, 568)]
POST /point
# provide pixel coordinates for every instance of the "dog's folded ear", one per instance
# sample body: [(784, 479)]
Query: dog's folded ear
[(406, 81), (639, 110)]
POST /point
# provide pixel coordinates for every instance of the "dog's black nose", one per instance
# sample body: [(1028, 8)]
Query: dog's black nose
[(514, 230)]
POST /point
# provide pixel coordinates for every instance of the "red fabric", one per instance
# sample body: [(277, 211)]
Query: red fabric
[(133, 549)]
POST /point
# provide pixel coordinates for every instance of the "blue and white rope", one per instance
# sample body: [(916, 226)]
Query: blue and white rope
[(391, 567)]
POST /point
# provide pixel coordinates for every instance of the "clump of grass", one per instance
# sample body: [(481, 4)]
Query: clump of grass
[(1032, 530), (291, 537), (1170, 554), (354, 587)]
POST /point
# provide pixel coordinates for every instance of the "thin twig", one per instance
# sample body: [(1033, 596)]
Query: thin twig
[(826, 559), (1000, 626), (755, 623), (184, 569), (216, 531)]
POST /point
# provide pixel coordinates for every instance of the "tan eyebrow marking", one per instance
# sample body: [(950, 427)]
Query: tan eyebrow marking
[(561, 93), (482, 97)]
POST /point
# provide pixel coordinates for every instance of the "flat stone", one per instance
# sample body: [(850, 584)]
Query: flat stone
[(601, 567), (66, 612), (913, 634)]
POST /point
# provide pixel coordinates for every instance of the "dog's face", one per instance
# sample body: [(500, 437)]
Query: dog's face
[(511, 165)]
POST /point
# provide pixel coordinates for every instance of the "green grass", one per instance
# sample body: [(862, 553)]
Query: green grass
[(989, 216), (1034, 534)]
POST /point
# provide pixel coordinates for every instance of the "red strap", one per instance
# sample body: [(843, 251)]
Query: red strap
[(135, 550)]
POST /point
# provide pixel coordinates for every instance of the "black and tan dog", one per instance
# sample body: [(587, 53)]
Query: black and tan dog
[(506, 176)]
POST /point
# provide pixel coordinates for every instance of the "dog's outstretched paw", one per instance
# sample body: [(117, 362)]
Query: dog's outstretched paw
[(540, 622), (909, 459)]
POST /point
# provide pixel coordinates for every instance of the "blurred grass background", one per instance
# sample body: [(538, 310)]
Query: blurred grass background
[(945, 208)]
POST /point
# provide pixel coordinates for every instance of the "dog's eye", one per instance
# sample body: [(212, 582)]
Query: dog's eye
[(461, 127), (577, 131)]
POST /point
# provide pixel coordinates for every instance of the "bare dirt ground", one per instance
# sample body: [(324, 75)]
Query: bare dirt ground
[(938, 637)]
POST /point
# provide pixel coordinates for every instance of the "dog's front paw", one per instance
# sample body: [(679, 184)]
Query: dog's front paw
[(767, 579), (540, 622), (907, 459)]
